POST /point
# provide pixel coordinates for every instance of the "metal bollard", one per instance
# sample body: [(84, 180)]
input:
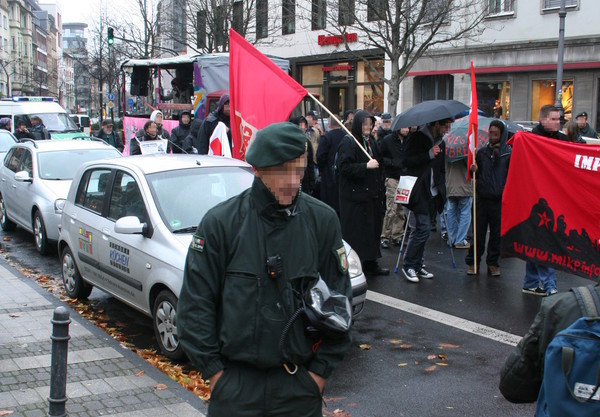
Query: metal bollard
[(58, 370)]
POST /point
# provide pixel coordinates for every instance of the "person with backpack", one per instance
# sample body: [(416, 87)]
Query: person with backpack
[(523, 377)]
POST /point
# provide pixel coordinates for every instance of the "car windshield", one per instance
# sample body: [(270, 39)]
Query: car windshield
[(61, 165), (54, 122), (184, 196)]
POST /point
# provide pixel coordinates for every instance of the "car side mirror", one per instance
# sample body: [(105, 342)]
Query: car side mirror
[(130, 225), (23, 176)]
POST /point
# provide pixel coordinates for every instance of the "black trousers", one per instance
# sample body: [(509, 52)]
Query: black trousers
[(244, 391), (488, 215)]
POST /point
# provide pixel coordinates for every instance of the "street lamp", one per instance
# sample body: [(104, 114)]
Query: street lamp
[(562, 13)]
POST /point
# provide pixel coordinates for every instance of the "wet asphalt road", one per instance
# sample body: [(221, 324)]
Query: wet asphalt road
[(400, 363)]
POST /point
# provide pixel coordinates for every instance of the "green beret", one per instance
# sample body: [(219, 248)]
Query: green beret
[(276, 144)]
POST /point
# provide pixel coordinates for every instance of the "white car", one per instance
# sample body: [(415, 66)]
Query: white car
[(127, 225), (35, 179)]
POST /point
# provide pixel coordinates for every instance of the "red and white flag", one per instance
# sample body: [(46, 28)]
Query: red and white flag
[(260, 93), (218, 143), (473, 124)]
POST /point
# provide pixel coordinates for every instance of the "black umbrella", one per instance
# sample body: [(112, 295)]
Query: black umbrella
[(428, 111)]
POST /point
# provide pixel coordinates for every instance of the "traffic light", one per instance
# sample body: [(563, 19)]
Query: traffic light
[(111, 38)]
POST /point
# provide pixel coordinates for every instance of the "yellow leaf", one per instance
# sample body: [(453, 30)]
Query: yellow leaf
[(395, 341), (442, 356), (6, 412), (441, 363), (403, 364), (365, 346), (406, 346), (448, 346), (431, 357), (140, 373), (160, 386), (430, 368)]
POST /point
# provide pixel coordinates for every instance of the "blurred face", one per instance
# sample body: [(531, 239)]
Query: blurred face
[(226, 109), (581, 121), (158, 119), (441, 128), (367, 126), (552, 122), (404, 131), (283, 180), (107, 129), (387, 124), (494, 135), (185, 118), (310, 119), (302, 126), (35, 122), (151, 130)]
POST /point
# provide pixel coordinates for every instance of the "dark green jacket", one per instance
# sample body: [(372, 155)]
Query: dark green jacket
[(522, 373), (229, 308), (114, 139), (588, 132)]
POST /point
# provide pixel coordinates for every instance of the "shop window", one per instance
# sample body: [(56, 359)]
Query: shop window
[(288, 17), (434, 87), (312, 75), (346, 12), (370, 97), (493, 98), (319, 14), (498, 7), (544, 92), (555, 4), (262, 19)]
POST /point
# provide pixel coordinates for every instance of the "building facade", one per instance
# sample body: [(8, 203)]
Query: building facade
[(171, 27), (21, 47), (66, 82), (75, 44), (4, 50)]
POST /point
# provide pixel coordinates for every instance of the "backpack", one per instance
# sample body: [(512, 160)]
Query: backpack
[(571, 382)]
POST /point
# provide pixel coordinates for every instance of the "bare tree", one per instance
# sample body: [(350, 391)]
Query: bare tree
[(405, 30)]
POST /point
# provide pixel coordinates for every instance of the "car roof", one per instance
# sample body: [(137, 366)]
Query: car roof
[(150, 164), (29, 107), (62, 145)]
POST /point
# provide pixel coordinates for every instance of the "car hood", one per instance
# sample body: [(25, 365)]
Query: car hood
[(60, 188)]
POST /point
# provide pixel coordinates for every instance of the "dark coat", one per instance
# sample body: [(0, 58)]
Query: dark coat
[(391, 149), (190, 139), (492, 170), (588, 132), (134, 145), (177, 142), (114, 139), (308, 181), (39, 132), (328, 147), (361, 212), (539, 130), (209, 124), (419, 164)]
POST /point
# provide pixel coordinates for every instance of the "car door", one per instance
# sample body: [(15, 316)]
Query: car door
[(12, 162), (25, 191), (122, 256), (81, 221)]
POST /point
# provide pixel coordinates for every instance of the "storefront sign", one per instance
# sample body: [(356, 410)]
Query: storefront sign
[(337, 68), (337, 39)]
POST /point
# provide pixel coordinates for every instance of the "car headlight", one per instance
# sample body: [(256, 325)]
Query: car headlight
[(59, 205), (354, 266)]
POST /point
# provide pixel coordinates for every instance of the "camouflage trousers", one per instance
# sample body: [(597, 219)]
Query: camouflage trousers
[(394, 219)]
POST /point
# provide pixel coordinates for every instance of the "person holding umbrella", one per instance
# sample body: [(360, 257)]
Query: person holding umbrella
[(361, 206)]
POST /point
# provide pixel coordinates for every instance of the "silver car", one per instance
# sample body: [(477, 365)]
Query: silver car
[(127, 225), (34, 180)]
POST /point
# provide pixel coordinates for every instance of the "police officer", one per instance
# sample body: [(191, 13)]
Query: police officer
[(243, 279)]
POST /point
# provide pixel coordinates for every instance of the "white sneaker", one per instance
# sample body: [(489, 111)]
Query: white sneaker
[(410, 274), (424, 274)]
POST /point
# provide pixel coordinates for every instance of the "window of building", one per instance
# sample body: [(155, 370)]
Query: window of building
[(369, 89), (501, 7), (434, 87), (5, 22), (238, 17), (544, 92), (319, 14), (555, 4), (262, 19), (220, 25), (346, 12), (493, 98), (201, 29), (288, 17), (375, 10), (437, 10)]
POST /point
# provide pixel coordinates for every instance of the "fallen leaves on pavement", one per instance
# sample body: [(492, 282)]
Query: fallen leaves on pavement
[(160, 387), (6, 412), (448, 346), (365, 346)]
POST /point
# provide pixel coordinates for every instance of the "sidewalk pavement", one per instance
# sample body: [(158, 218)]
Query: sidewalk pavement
[(101, 374)]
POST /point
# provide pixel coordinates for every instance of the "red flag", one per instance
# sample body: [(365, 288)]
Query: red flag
[(551, 204), (260, 93), (473, 124)]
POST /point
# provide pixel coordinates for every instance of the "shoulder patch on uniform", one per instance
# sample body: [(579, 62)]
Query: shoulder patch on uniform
[(342, 259), (197, 244)]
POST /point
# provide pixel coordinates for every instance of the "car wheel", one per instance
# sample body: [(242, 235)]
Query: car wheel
[(164, 316), (74, 285), (5, 223), (39, 232)]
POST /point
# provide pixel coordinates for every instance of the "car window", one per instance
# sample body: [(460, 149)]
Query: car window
[(61, 165), (15, 160), (57, 122), (92, 194), (26, 162), (6, 141), (126, 198)]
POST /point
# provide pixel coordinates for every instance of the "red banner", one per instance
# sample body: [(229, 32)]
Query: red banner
[(260, 93), (551, 204), (473, 124)]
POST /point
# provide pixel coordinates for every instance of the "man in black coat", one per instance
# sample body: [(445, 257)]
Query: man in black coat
[(360, 188), (177, 142), (328, 147), (425, 159), (220, 114)]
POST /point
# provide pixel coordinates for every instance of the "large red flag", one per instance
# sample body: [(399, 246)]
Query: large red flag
[(473, 124), (551, 204), (260, 93)]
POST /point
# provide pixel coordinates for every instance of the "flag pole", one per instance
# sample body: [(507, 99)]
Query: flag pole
[(474, 223), (340, 123)]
